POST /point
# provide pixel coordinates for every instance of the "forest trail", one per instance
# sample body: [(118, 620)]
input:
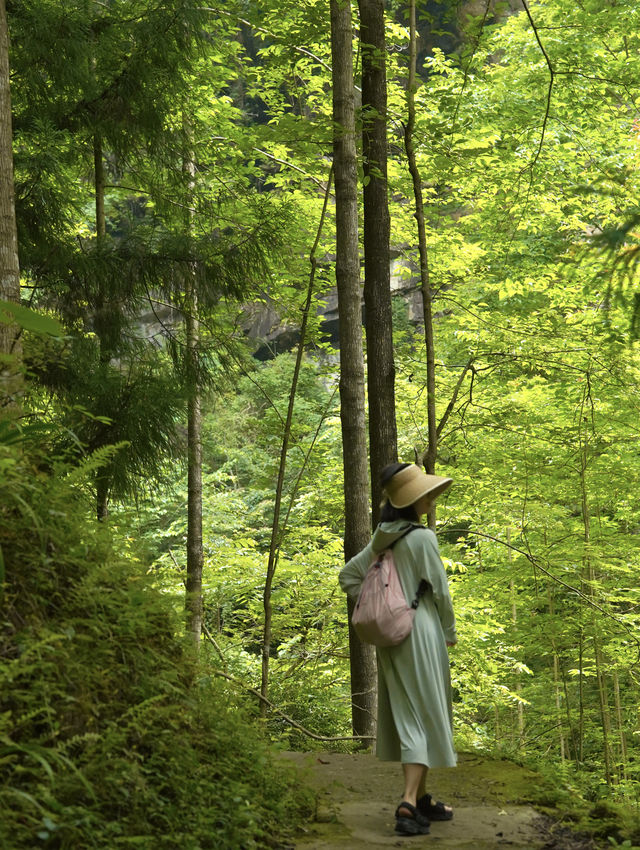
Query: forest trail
[(357, 795)]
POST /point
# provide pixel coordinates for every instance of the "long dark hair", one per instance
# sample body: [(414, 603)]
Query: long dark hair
[(388, 513)]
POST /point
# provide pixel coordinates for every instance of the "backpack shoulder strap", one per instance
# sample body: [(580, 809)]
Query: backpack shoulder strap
[(424, 584), (411, 528)]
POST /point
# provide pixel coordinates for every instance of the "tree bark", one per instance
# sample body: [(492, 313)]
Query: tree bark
[(377, 283), (10, 371), (195, 557), (590, 577), (102, 497), (352, 395), (556, 677), (98, 170), (194, 469), (514, 621), (622, 770), (102, 480)]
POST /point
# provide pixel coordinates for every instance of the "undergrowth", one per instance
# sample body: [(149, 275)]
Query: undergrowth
[(109, 735)]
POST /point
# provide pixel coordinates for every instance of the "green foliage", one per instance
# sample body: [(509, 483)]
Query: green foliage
[(110, 735), (531, 208), (309, 664)]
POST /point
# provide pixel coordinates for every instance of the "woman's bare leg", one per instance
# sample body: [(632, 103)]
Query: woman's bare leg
[(414, 778), (422, 790)]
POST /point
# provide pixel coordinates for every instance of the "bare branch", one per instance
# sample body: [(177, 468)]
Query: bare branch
[(537, 565), (280, 713), (549, 90)]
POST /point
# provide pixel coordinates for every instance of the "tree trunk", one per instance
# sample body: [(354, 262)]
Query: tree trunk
[(98, 168), (276, 531), (514, 621), (352, 396), (102, 481), (589, 575), (193, 600), (10, 371), (102, 497), (622, 770), (580, 754), (556, 676), (429, 458), (377, 285), (603, 699), (194, 469)]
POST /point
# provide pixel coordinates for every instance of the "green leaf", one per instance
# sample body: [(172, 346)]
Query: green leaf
[(28, 319)]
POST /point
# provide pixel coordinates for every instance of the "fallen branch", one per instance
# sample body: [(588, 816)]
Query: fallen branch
[(274, 708), (216, 646)]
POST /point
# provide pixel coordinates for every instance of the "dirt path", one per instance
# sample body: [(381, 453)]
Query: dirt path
[(357, 795)]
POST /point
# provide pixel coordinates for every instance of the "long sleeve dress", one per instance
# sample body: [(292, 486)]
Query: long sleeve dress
[(414, 685)]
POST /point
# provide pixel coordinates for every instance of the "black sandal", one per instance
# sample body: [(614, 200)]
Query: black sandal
[(431, 810), (415, 824)]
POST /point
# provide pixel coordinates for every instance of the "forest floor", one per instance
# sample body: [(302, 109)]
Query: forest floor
[(493, 805)]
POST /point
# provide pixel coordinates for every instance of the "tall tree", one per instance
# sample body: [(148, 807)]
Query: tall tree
[(195, 556), (377, 285), (9, 263), (352, 395)]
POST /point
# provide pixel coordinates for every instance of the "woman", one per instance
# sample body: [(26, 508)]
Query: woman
[(414, 688)]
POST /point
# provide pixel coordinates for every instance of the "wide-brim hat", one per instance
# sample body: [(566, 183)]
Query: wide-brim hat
[(411, 483)]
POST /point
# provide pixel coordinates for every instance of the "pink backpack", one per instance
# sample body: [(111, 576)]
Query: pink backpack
[(382, 616)]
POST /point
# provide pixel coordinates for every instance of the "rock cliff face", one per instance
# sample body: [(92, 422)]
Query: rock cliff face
[(264, 325), (273, 337)]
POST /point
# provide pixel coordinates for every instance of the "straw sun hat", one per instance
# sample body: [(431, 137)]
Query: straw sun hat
[(411, 483)]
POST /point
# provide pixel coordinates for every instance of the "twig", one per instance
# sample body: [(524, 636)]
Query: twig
[(549, 90), (276, 531), (454, 397), (215, 644)]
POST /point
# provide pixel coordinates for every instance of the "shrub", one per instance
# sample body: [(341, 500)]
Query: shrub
[(109, 734)]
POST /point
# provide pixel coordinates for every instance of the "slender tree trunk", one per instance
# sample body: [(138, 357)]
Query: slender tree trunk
[(622, 773), (589, 575), (603, 698), (10, 371), (429, 459), (102, 481), (514, 621), (102, 497), (352, 395), (276, 531), (556, 688), (98, 170), (581, 696), (556, 677), (377, 284), (575, 747), (195, 557)]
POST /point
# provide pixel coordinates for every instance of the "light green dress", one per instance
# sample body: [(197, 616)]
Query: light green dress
[(414, 685)]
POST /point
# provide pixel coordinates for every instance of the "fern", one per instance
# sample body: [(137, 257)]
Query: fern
[(97, 460), (107, 731)]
